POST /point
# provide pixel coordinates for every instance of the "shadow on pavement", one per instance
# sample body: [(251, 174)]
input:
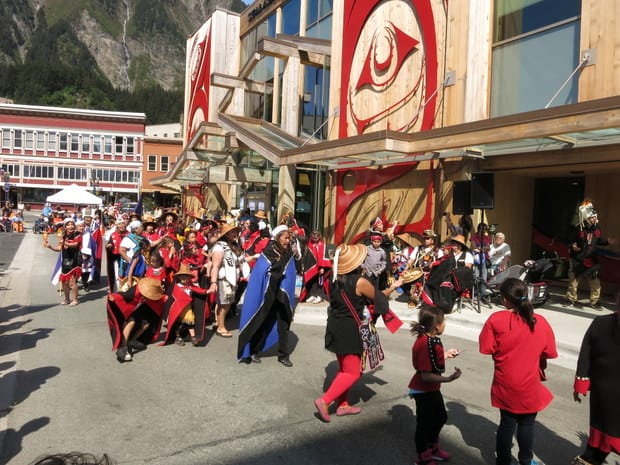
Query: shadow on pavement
[(477, 431), (12, 439)]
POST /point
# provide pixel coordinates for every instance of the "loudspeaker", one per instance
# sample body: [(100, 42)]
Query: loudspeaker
[(483, 190), (461, 198)]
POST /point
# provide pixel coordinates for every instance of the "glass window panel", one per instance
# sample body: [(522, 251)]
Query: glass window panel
[(325, 8), (290, 17), (18, 139), (325, 28), (528, 72), (85, 143), (29, 139), (6, 138), (108, 144), (40, 140), (97, 144), (152, 163), (515, 17), (51, 141), (164, 164), (119, 144), (130, 145), (63, 141), (75, 142), (312, 11)]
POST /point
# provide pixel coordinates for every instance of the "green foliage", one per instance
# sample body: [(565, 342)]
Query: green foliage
[(141, 71), (149, 20), (63, 10), (11, 38)]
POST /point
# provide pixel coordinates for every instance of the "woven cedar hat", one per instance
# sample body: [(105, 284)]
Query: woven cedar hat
[(151, 288), (260, 215), (183, 270), (411, 275), (349, 257), (460, 239), (429, 233), (225, 228), (149, 221), (174, 216)]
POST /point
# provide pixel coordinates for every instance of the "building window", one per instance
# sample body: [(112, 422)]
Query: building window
[(18, 142), (63, 141), (29, 140), (108, 144), (40, 172), (291, 12), (75, 143), (40, 141), (97, 144), (118, 144), (319, 19), (86, 143), (152, 163), (535, 49), (72, 174), (6, 138), (130, 145), (316, 101), (51, 142), (164, 164)]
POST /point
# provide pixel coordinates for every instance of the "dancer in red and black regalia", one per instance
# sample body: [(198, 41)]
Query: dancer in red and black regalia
[(316, 268), (597, 372), (134, 317), (68, 266), (185, 311)]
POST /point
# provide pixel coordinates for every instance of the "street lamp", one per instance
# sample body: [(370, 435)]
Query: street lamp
[(94, 183), (5, 177)]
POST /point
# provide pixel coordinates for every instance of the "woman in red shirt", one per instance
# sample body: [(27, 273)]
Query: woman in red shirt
[(520, 343)]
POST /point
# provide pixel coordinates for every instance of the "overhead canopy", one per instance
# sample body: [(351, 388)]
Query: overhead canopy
[(75, 195), (591, 124)]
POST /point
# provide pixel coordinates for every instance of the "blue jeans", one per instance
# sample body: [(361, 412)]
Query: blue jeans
[(524, 424)]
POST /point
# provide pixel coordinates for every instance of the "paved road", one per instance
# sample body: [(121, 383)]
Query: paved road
[(61, 389)]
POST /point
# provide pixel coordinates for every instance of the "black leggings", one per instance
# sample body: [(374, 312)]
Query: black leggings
[(430, 415), (524, 424)]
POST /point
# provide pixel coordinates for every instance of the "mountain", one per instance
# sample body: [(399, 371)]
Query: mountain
[(98, 53)]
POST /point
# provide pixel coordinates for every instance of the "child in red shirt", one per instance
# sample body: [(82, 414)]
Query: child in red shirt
[(428, 359)]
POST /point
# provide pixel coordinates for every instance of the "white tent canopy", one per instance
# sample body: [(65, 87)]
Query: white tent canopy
[(75, 195)]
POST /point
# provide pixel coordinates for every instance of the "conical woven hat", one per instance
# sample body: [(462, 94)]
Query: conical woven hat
[(150, 288), (350, 257)]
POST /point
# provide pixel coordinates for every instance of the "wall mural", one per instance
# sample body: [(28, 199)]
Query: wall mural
[(389, 82), (199, 70)]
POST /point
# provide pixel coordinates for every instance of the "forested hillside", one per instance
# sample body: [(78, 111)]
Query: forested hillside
[(123, 55)]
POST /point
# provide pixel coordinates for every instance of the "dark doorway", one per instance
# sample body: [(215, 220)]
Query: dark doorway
[(555, 203)]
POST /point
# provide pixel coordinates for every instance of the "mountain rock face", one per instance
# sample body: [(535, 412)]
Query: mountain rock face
[(134, 43)]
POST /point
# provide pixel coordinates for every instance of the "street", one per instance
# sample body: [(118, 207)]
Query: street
[(61, 389)]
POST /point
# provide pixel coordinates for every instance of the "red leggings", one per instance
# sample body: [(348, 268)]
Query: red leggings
[(348, 374)]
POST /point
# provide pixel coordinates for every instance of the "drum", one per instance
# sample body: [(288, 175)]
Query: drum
[(412, 274)]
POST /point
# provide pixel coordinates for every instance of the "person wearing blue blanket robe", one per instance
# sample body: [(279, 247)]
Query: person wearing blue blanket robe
[(269, 302)]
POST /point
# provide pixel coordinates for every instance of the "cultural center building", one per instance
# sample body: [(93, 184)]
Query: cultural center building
[(45, 149), (406, 109)]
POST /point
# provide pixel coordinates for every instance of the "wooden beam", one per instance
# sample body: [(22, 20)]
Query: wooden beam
[(277, 48), (248, 85)]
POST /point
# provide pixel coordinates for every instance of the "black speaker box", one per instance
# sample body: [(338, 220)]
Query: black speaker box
[(461, 198), (483, 190)]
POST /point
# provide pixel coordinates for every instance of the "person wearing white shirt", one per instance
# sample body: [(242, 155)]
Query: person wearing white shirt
[(499, 253)]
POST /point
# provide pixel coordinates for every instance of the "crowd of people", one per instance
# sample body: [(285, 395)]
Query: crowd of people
[(169, 279)]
